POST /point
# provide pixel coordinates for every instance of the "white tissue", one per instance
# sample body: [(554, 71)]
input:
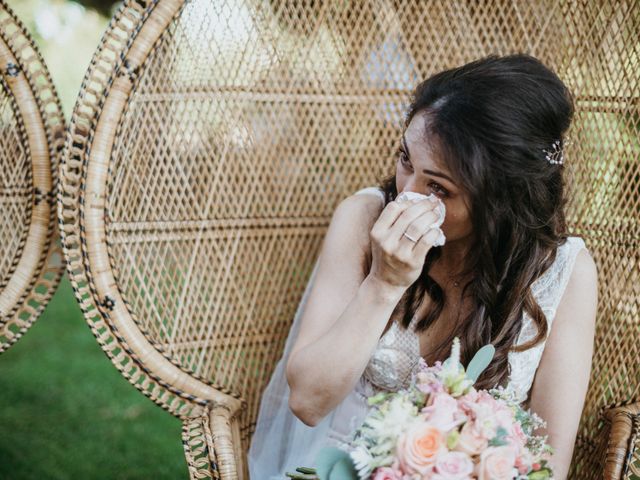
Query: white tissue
[(440, 210)]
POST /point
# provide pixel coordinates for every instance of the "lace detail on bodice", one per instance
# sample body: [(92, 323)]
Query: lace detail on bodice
[(398, 350), (394, 359)]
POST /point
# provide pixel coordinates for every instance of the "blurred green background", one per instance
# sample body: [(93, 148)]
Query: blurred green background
[(65, 411)]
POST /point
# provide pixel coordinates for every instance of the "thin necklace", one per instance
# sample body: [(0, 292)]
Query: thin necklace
[(453, 279)]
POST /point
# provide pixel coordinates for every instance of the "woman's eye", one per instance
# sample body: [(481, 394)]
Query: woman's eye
[(403, 158), (438, 189)]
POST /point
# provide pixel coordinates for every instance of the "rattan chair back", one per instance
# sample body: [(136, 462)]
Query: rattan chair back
[(212, 141), (31, 140)]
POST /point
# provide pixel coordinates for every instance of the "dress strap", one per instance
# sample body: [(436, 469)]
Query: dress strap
[(548, 291), (549, 288), (576, 244)]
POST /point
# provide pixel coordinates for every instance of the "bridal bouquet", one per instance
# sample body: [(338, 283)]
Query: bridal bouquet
[(442, 428)]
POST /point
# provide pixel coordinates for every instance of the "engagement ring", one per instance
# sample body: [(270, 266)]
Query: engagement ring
[(412, 239)]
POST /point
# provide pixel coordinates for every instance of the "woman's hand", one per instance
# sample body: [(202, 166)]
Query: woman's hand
[(396, 260)]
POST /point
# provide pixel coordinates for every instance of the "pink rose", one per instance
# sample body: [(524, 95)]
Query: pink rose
[(505, 417), (419, 447), (453, 466), (395, 466), (497, 463), (517, 438), (489, 414), (524, 461), (385, 473), (443, 412), (471, 441), (470, 397)]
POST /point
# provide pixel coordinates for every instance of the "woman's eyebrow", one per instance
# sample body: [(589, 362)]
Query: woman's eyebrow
[(427, 171)]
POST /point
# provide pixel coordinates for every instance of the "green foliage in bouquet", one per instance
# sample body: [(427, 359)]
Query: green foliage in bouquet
[(332, 464)]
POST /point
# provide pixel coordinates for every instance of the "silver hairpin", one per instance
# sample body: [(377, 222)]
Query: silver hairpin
[(555, 156)]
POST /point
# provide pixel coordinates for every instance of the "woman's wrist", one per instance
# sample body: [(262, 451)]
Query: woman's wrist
[(382, 292)]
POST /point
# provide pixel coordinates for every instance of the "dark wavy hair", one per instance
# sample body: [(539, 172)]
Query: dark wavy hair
[(492, 118)]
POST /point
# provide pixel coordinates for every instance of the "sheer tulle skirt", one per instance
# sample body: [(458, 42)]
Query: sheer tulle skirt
[(282, 442)]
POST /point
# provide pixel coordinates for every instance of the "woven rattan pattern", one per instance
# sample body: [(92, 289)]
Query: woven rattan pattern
[(623, 447), (107, 62), (249, 121), (197, 444), (30, 259), (633, 470), (16, 186)]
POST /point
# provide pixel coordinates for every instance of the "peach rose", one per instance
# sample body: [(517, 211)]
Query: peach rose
[(419, 447), (471, 441), (497, 463)]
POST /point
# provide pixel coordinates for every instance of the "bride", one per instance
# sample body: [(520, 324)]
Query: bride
[(485, 142)]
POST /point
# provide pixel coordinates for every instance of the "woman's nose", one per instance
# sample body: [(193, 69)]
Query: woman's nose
[(411, 187)]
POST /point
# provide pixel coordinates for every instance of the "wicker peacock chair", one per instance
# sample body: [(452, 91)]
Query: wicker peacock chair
[(212, 141), (31, 140)]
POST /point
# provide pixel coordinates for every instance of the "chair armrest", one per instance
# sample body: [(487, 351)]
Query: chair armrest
[(623, 447)]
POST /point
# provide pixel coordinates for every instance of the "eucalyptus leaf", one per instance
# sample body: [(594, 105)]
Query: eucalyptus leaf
[(344, 470), (301, 476), (305, 470), (327, 460), (303, 473), (480, 361)]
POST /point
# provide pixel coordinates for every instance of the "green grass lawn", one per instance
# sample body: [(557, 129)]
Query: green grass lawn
[(66, 413)]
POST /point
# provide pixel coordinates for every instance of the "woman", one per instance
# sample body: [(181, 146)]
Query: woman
[(486, 140)]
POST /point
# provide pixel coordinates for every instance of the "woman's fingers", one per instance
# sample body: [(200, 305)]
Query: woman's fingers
[(432, 238), (395, 258), (389, 215), (415, 222)]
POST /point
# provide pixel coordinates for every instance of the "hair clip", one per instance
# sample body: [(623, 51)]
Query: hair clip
[(555, 156)]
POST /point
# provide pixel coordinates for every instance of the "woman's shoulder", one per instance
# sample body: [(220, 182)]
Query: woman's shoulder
[(573, 254), (370, 198), (365, 205), (574, 243), (362, 208), (567, 253), (374, 191), (579, 262)]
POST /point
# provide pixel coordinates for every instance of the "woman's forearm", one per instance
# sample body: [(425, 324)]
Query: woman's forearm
[(321, 374)]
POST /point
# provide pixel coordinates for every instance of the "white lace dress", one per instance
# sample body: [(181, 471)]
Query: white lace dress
[(389, 368)]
